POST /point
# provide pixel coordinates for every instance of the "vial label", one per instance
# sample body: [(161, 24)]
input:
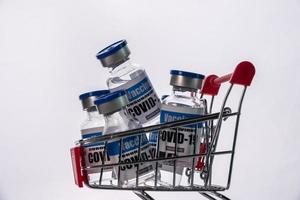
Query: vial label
[(185, 138), (130, 153), (153, 139), (144, 104), (94, 154)]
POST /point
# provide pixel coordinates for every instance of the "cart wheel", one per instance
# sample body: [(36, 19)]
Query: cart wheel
[(203, 175), (143, 195), (227, 110), (188, 174)]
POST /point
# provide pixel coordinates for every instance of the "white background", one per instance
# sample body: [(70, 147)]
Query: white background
[(47, 58)]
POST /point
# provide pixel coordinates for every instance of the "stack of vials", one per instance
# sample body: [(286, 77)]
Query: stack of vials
[(130, 102)]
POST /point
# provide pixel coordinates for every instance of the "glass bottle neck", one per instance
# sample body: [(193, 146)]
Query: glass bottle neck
[(92, 113), (179, 91), (120, 68), (119, 121), (119, 115)]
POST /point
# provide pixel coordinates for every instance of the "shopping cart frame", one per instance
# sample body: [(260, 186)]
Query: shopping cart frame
[(242, 75)]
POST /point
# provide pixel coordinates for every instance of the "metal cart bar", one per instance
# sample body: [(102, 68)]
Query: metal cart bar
[(154, 128), (242, 75)]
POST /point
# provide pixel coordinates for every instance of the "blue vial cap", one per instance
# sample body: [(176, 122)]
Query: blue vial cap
[(97, 93), (111, 49), (187, 74)]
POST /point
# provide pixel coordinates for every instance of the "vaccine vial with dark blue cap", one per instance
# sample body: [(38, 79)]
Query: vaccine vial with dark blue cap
[(144, 104), (129, 148), (182, 103), (93, 126)]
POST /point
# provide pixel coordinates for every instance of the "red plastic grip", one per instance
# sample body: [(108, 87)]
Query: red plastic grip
[(76, 164), (209, 88), (222, 79), (200, 163), (242, 75)]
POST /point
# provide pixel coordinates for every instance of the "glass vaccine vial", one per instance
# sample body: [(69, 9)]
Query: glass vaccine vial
[(117, 118), (185, 140), (144, 104), (93, 126)]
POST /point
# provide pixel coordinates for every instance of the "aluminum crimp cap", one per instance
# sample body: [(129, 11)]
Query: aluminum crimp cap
[(112, 102), (87, 99), (188, 80), (114, 55)]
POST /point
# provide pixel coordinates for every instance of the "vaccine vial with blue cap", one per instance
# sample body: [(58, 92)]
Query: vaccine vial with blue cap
[(144, 104), (180, 141), (93, 126), (134, 148), (153, 136)]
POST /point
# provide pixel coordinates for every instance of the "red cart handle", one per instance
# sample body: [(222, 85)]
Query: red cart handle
[(242, 75), (76, 164)]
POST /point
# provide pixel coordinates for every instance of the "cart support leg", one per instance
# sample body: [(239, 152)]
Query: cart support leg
[(143, 195), (221, 196), (216, 194), (207, 196)]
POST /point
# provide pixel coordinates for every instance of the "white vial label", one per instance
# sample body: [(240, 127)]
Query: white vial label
[(93, 154), (144, 104), (185, 136), (130, 147)]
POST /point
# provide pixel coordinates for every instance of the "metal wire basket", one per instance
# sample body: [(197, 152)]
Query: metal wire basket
[(202, 160)]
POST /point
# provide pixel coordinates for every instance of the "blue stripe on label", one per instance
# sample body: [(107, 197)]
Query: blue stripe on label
[(129, 144), (90, 135), (139, 89), (153, 137), (168, 116), (94, 145)]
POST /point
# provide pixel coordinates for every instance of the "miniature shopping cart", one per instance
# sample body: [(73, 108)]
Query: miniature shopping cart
[(200, 176)]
